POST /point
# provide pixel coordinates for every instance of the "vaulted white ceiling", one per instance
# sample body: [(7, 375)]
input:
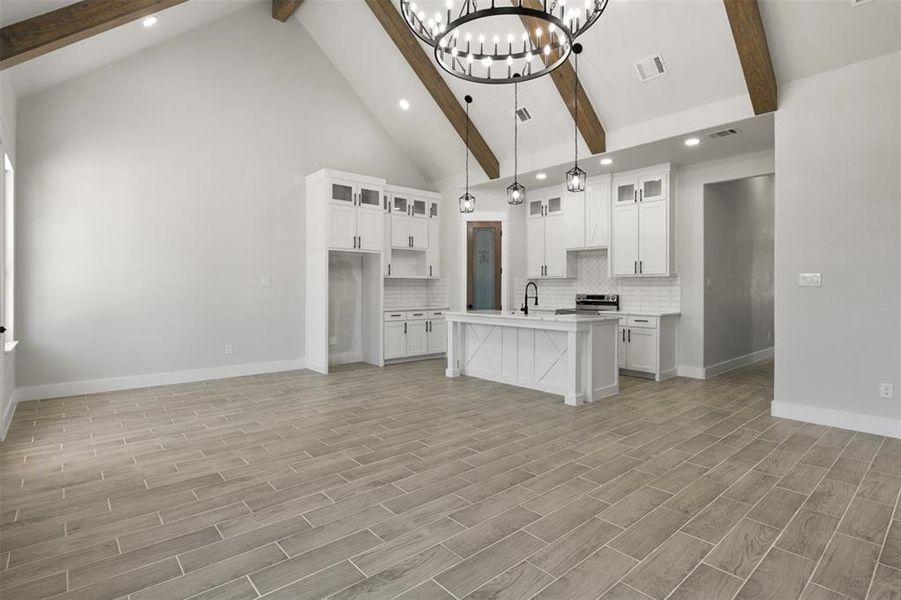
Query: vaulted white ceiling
[(703, 88)]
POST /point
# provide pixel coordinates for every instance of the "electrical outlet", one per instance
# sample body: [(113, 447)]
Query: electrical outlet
[(810, 279), (266, 282), (228, 349), (886, 391), (769, 336), (333, 340)]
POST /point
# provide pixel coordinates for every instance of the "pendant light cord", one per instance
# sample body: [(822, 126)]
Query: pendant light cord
[(515, 132), (576, 114), (467, 147)]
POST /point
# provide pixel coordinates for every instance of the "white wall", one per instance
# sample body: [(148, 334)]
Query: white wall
[(7, 146), (738, 269), (689, 214), (156, 192), (838, 212)]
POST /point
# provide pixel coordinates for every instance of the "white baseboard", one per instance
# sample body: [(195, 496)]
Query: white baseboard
[(94, 386), (738, 362), (8, 414), (837, 418), (692, 372)]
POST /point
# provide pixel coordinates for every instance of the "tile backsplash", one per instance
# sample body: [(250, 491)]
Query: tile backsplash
[(416, 293), (644, 294)]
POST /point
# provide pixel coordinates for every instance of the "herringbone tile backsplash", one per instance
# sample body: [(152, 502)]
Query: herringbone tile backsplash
[(646, 294)]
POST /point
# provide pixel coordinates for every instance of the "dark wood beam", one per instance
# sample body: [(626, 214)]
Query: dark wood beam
[(428, 74), (283, 9), (753, 52), (564, 77), (50, 31)]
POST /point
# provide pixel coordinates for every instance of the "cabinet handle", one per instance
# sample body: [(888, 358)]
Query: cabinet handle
[(359, 241), (405, 329), (630, 334), (430, 270), (640, 267), (641, 320), (389, 269), (624, 335), (396, 315), (641, 195), (634, 195), (635, 268)]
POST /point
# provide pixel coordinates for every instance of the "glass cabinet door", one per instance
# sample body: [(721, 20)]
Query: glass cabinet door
[(419, 208), (625, 192), (554, 205), (342, 192), (653, 188), (369, 197), (536, 208), (400, 205)]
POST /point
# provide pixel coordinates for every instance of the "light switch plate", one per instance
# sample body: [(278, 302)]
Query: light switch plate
[(887, 391), (810, 279)]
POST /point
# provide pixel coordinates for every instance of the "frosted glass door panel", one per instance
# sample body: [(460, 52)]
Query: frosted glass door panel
[(370, 198), (484, 263)]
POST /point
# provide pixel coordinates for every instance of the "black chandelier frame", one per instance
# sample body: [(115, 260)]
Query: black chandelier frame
[(499, 53)]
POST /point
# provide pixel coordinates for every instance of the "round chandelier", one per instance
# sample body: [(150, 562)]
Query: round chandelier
[(475, 41)]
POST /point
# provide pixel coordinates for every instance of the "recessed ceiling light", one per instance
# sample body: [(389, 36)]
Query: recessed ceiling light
[(404, 104), (149, 21), (541, 176), (606, 161), (692, 142)]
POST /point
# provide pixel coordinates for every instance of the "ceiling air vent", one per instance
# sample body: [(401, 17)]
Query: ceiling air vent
[(724, 133), (523, 114), (650, 68)]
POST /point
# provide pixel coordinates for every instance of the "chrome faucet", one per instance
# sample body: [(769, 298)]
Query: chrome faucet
[(525, 302)]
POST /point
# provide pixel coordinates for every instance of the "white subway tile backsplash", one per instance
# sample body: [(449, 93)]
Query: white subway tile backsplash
[(416, 293), (639, 294)]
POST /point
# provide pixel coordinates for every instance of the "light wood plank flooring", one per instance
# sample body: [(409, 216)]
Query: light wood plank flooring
[(399, 482)]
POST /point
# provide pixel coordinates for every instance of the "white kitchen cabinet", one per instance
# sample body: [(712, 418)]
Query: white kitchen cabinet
[(437, 335), (597, 213), (415, 248), (410, 334), (587, 216), (545, 236), (417, 336), (355, 215), (574, 221), (625, 240), (642, 225), (395, 339), (434, 251), (647, 345)]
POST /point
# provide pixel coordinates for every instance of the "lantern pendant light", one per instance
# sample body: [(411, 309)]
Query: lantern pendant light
[(516, 192), (467, 200), (575, 177)]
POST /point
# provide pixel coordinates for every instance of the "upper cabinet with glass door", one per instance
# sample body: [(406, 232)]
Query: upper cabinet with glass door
[(642, 231)]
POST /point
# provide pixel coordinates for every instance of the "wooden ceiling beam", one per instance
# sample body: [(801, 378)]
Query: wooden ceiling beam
[(564, 77), (56, 29), (409, 46), (283, 9), (753, 53)]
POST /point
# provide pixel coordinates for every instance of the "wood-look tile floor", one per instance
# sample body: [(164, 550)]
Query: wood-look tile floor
[(399, 482)]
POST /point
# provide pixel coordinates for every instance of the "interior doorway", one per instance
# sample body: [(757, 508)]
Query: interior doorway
[(739, 265), (483, 265)]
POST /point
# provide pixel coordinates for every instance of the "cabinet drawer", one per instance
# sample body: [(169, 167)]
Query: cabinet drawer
[(396, 316), (417, 315), (436, 314), (645, 322)]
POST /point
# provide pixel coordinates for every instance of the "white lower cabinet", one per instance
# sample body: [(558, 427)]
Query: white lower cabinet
[(415, 333), (647, 345)]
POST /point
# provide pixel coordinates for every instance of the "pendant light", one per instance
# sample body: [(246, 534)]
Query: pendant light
[(467, 200), (575, 177), (516, 192)]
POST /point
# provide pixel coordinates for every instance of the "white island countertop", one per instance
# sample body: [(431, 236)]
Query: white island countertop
[(571, 355), (532, 317)]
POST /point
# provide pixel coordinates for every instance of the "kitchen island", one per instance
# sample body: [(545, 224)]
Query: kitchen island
[(571, 355)]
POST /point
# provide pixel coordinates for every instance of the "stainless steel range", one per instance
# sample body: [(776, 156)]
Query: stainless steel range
[(592, 304)]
